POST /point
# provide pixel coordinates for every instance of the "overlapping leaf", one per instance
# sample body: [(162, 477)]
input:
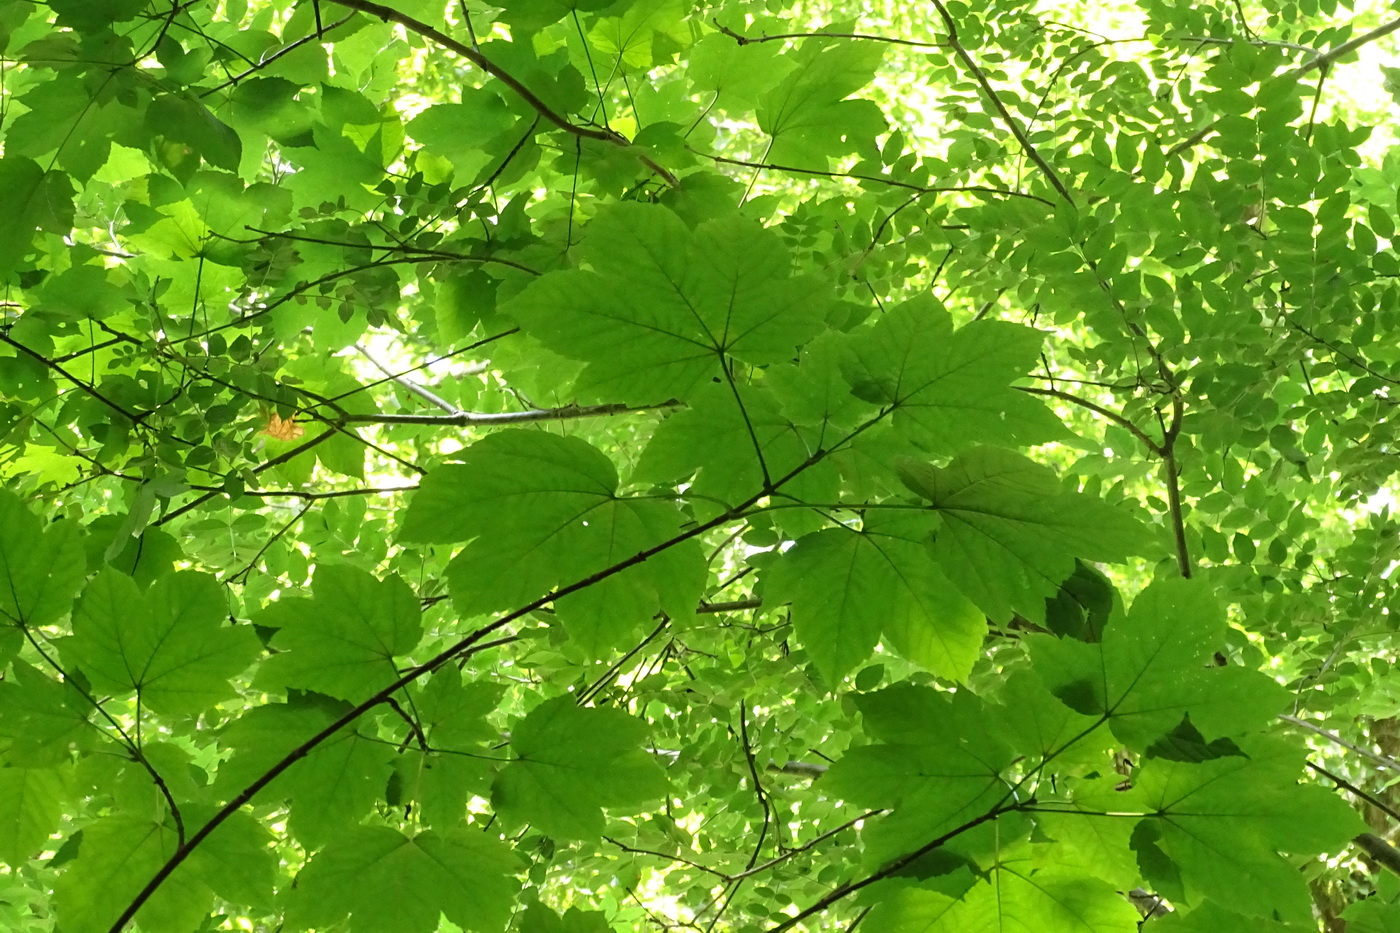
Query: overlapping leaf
[(119, 854), (1010, 531), (849, 587), (808, 114), (343, 641), (540, 510), (386, 882), (950, 388), (938, 763), (1223, 822), (1018, 895), (330, 789), (169, 644), (31, 805), (571, 763), (41, 570), (661, 307), (1151, 669)]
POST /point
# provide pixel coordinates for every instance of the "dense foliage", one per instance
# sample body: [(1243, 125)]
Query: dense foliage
[(565, 466)]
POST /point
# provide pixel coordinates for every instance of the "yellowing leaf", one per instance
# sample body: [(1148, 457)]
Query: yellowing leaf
[(282, 429)]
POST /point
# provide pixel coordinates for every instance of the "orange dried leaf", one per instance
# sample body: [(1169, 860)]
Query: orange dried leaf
[(282, 429)]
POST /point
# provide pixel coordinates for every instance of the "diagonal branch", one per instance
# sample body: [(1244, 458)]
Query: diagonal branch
[(1322, 60), (1001, 110), (742, 39), (465, 647), (466, 419), (389, 14)]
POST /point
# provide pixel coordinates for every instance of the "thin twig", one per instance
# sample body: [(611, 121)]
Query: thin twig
[(1113, 416), (389, 14), (464, 419), (421, 391), (742, 39), (1322, 60), (1373, 757), (995, 100)]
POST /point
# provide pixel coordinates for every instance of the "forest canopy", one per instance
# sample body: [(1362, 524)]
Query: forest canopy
[(571, 466)]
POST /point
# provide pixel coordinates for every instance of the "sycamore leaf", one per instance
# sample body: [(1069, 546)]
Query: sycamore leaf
[(848, 587), (31, 806), (452, 713), (1087, 841), (1373, 915), (343, 641), (950, 389), (540, 510), (386, 882), (169, 644), (808, 115), (662, 307), (1150, 669), (1010, 531), (1210, 918), (40, 718), (911, 910), (540, 919), (570, 763), (1017, 895), (41, 570), (938, 764), (330, 789), (37, 199), (237, 861), (119, 854), (731, 438), (1223, 823)]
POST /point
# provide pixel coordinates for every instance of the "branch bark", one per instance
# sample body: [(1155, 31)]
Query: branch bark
[(390, 15), (1322, 60)]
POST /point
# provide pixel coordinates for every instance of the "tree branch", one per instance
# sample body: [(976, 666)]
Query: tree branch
[(389, 14), (466, 419), (421, 391), (1322, 60), (778, 37), (1336, 739), (1113, 416), (1026, 145), (877, 179)]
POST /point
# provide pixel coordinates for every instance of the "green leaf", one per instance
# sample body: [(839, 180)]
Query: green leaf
[(1019, 895), (1010, 531), (41, 570), (169, 644), (330, 789), (344, 640), (542, 510), (950, 389), (1150, 670), (1210, 918), (736, 439), (571, 762), (237, 861), (31, 806), (188, 122), (386, 882), (40, 718), (119, 854), (938, 764), (808, 115), (540, 919), (663, 308), (1223, 823), (848, 587)]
